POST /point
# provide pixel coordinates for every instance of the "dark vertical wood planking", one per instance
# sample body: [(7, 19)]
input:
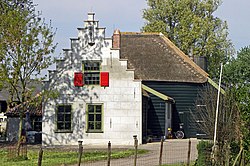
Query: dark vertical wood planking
[(184, 94)]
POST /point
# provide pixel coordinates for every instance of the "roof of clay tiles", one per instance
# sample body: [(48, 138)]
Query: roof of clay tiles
[(33, 106)]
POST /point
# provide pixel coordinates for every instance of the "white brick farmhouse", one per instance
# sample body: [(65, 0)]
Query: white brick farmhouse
[(99, 100), (111, 89)]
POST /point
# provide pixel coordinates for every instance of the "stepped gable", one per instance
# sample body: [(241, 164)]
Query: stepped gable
[(156, 58), (86, 46)]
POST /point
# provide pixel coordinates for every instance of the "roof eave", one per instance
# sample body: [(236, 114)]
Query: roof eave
[(158, 94)]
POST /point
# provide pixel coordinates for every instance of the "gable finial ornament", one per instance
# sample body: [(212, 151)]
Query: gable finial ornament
[(91, 29)]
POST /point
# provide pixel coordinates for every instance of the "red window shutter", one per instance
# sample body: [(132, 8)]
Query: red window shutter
[(104, 78), (78, 79)]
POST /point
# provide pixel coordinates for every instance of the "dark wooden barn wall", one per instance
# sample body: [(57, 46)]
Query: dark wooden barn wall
[(185, 95)]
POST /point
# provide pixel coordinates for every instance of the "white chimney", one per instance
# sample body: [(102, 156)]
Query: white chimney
[(91, 16)]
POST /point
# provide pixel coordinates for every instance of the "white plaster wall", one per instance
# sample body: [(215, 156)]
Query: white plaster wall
[(121, 100)]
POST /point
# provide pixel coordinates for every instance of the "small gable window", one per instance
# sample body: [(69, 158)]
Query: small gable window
[(91, 72), (63, 117)]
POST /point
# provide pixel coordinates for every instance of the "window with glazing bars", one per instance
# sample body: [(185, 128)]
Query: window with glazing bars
[(64, 118), (91, 73), (36, 123), (94, 118)]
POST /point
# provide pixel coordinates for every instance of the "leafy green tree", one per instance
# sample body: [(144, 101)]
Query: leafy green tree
[(192, 26), (237, 77), (26, 43)]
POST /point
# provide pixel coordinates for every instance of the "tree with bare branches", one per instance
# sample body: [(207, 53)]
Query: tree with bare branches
[(228, 129)]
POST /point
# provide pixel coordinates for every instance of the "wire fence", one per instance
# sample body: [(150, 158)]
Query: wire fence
[(167, 153), (13, 151), (170, 152)]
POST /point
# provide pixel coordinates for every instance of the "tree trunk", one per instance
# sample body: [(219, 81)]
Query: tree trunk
[(20, 136), (239, 154)]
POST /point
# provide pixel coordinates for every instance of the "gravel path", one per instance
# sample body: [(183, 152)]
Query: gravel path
[(174, 151)]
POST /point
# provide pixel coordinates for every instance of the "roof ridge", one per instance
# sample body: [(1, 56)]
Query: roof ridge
[(140, 33), (184, 56)]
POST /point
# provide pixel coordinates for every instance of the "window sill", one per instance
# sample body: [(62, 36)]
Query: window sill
[(63, 131), (94, 131), (91, 85)]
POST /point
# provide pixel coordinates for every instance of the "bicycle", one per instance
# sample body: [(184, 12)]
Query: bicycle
[(179, 134)]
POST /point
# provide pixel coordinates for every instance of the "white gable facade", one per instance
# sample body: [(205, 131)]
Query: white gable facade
[(98, 98)]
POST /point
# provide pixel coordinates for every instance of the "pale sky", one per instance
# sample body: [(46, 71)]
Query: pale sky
[(126, 15)]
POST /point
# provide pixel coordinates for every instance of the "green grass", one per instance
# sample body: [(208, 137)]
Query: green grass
[(57, 157), (174, 165), (178, 164)]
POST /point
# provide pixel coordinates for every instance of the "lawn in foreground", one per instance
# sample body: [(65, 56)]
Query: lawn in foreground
[(57, 157), (178, 164)]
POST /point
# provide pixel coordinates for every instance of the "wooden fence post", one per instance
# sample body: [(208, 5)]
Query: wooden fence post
[(109, 153), (80, 152), (136, 146), (161, 149), (40, 157), (189, 152)]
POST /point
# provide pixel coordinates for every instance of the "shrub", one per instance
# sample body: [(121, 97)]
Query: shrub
[(204, 153)]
